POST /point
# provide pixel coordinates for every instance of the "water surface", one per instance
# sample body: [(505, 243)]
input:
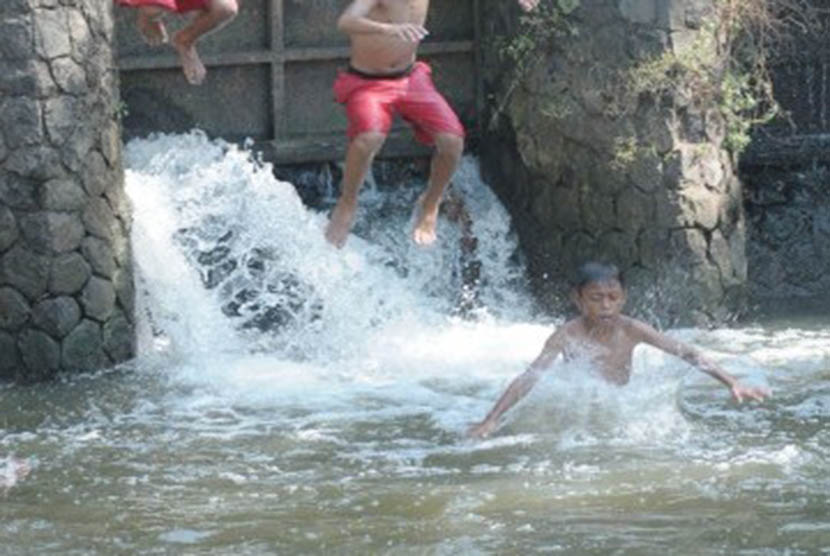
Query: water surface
[(292, 398)]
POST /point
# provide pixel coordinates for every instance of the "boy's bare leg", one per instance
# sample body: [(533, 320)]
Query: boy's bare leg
[(362, 150), (150, 25), (218, 13), (448, 149)]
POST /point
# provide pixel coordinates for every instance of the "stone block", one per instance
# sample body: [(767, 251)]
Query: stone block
[(111, 144), (565, 206), (96, 174), (21, 119), (83, 43), (63, 195), (737, 252), (671, 14), (100, 256), (26, 77), (18, 192), (635, 211), (719, 253), (82, 349), (62, 116), (40, 354), (79, 143), (99, 218), (37, 162), (57, 316), (646, 171), (10, 361), (69, 76), (119, 338), (52, 232), (27, 272), (14, 309), (596, 209), (652, 245), (10, 8), (69, 273), (16, 38), (639, 11), (98, 298), (125, 292), (8, 228), (689, 245), (699, 207), (615, 245), (52, 37)]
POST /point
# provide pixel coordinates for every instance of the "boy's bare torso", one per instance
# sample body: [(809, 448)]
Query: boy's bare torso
[(609, 347), (375, 53)]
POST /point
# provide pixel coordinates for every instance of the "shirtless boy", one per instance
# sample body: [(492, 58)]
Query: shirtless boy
[(210, 15), (607, 338), (384, 79)]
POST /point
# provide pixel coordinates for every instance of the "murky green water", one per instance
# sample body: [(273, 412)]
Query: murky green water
[(133, 461), (294, 399)]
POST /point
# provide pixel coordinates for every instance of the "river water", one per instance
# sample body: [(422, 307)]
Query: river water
[(290, 398)]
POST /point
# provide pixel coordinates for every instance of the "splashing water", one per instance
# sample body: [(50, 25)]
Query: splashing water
[(294, 398)]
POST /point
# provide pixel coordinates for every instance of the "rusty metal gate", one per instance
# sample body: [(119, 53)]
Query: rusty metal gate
[(270, 75)]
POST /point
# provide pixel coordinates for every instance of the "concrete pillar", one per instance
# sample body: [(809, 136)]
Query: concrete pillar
[(66, 288)]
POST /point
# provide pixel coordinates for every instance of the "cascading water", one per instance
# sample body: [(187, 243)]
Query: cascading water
[(294, 398)]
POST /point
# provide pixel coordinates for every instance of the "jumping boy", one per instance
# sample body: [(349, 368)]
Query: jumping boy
[(385, 79), (607, 338), (211, 15)]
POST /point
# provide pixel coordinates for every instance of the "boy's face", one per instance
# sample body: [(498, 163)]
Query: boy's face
[(601, 302)]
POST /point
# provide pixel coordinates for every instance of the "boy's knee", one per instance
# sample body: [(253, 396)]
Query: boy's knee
[(449, 145), (225, 9), (368, 143)]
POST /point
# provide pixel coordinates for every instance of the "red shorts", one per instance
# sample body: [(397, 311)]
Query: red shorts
[(179, 6), (372, 102)]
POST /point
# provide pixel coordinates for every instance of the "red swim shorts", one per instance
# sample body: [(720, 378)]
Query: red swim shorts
[(179, 6), (372, 102)]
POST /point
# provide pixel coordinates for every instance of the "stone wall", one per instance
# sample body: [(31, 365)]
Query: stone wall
[(590, 173), (788, 249), (66, 291)]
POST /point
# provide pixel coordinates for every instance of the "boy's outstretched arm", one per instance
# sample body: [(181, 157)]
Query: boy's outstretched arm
[(520, 386), (695, 357)]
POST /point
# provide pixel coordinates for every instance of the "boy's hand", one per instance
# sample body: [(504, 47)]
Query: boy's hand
[(528, 5), (408, 32), (758, 393), (482, 429)]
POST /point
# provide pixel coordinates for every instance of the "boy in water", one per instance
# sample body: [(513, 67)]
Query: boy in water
[(607, 338), (385, 79), (211, 15)]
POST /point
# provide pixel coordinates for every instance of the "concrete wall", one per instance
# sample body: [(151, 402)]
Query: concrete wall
[(66, 293)]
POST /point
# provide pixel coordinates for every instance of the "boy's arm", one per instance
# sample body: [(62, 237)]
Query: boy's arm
[(520, 386), (355, 21), (693, 356)]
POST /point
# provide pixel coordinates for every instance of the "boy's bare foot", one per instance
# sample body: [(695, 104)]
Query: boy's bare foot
[(152, 29), (340, 222), (425, 222), (194, 70)]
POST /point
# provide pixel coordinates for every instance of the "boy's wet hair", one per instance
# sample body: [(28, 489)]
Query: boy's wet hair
[(595, 272)]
